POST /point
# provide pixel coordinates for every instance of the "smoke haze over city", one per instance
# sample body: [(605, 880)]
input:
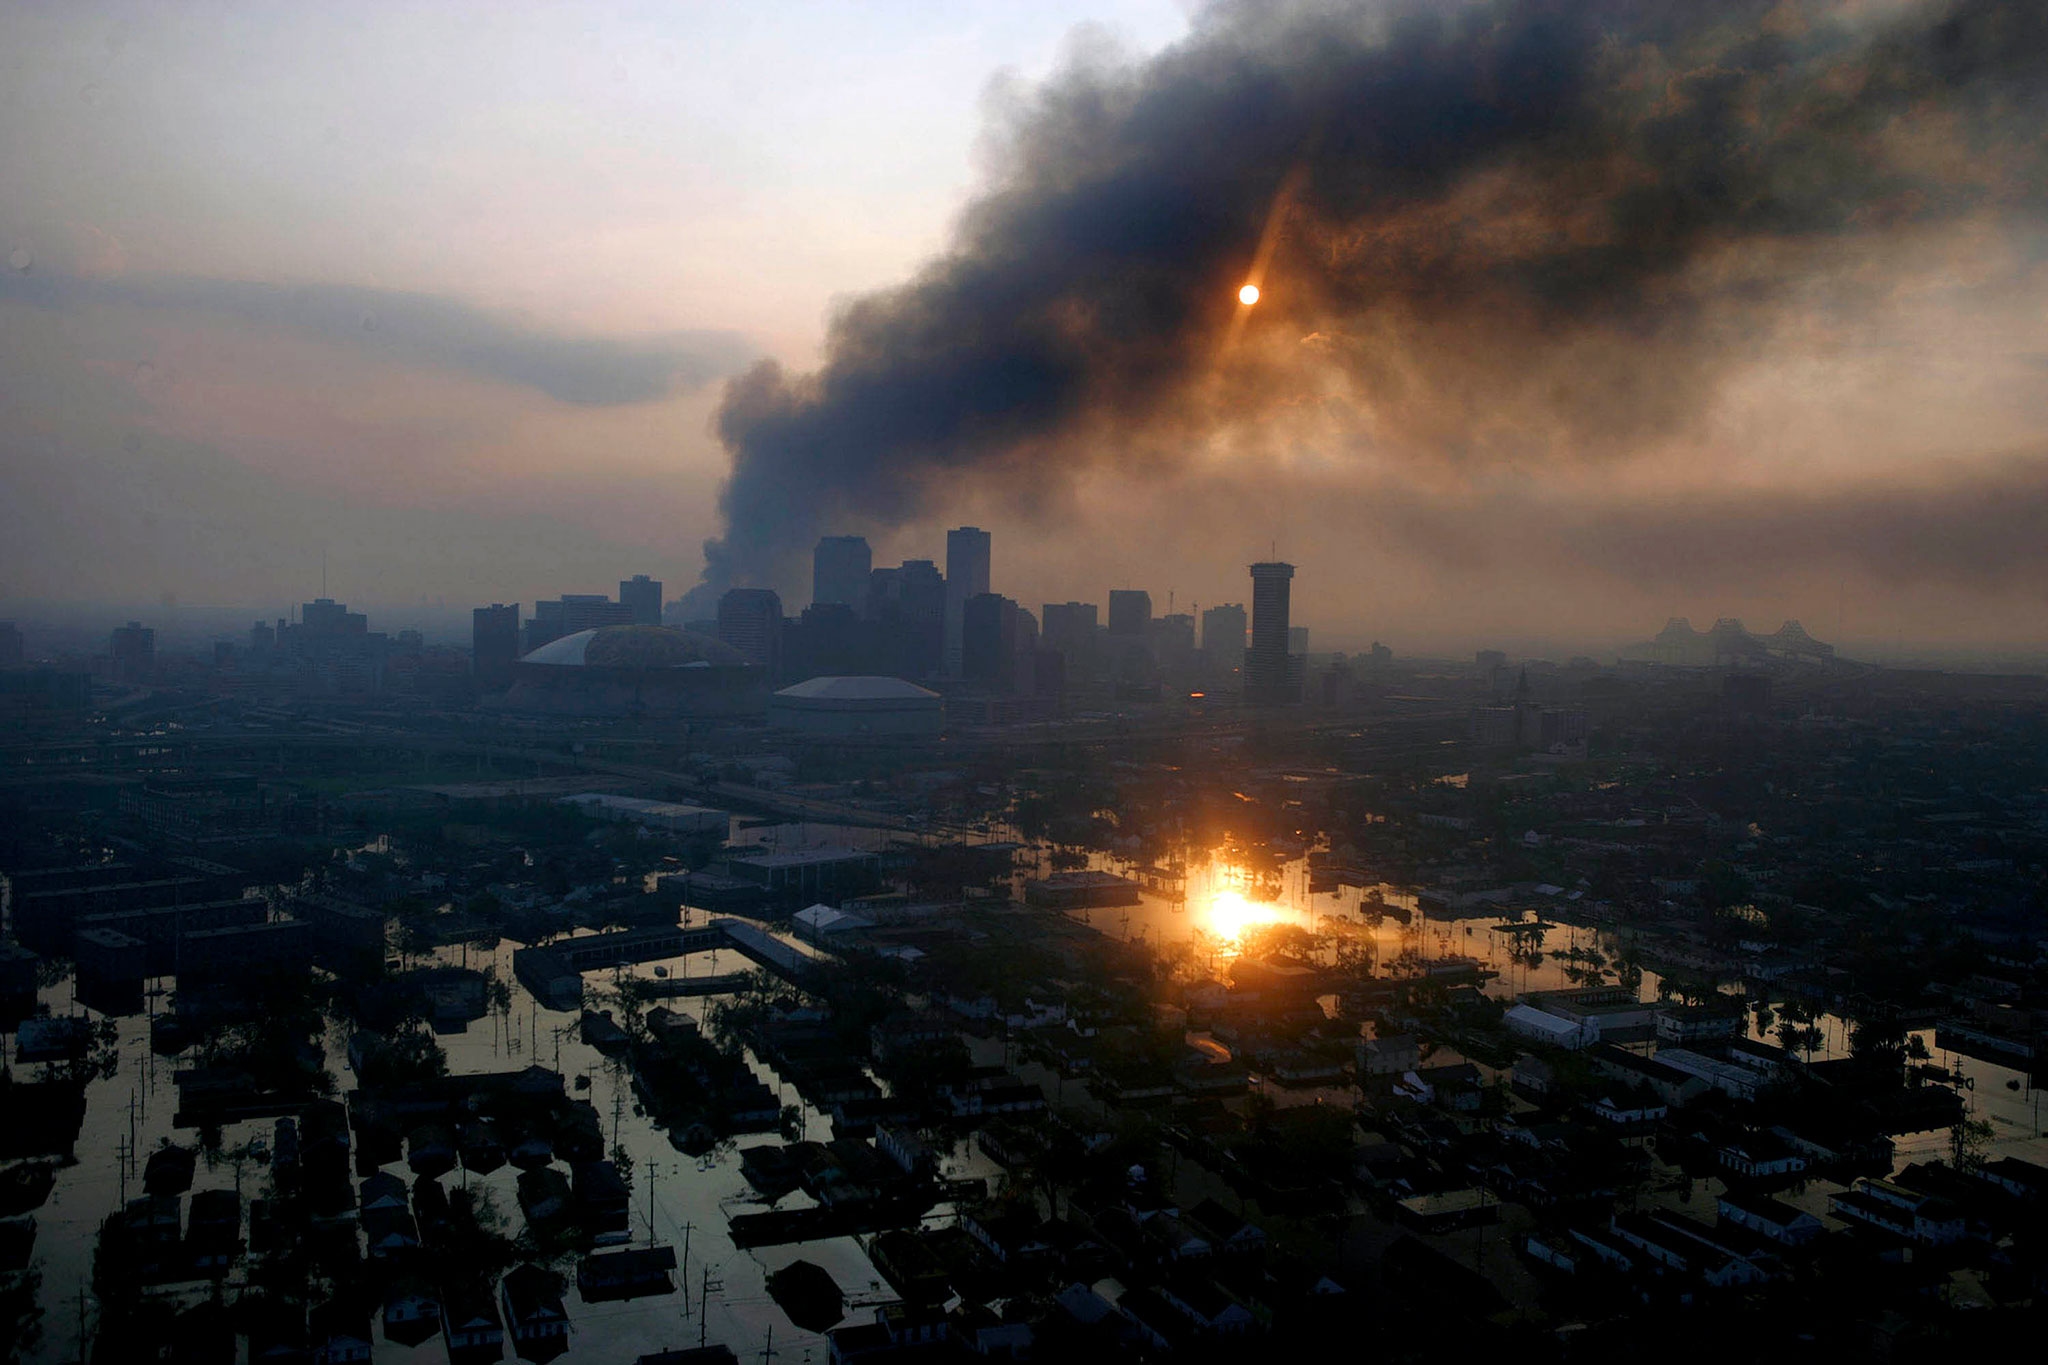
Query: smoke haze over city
[(1574, 315), (913, 681)]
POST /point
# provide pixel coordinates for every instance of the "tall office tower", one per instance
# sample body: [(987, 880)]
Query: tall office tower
[(750, 620), (134, 649), (829, 639), (1266, 671), (1069, 630), (324, 618), (921, 618), (493, 645), (1223, 637), (1173, 642), (11, 651), (641, 596), (966, 577), (1130, 611), (840, 567), (991, 629)]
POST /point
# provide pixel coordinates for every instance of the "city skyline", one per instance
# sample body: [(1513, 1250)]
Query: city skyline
[(1806, 397)]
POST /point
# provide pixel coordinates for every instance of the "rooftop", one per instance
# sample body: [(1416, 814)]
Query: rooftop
[(636, 647), (845, 689)]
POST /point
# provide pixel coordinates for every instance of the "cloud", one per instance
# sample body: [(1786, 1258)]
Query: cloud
[(1530, 233), (418, 329)]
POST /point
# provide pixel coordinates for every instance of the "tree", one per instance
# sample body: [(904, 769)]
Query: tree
[(21, 1315)]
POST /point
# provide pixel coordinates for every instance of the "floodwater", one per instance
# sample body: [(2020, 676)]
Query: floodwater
[(686, 1196), (1221, 897)]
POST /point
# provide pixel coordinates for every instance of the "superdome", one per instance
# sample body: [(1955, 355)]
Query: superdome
[(636, 647), (654, 671)]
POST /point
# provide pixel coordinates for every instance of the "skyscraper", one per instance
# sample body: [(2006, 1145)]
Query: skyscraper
[(641, 596), (967, 561), (1223, 637), (1130, 611), (493, 645), (1172, 638), (750, 620), (1266, 674), (133, 648), (1069, 629), (921, 617), (839, 571), (990, 634)]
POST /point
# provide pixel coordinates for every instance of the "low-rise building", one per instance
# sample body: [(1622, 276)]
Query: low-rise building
[(1667, 1083), (534, 1310), (1769, 1217), (1688, 1248), (1551, 1030), (1736, 1082), (1906, 1213)]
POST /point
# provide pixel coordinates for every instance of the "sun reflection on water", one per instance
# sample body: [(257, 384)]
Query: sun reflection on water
[(1231, 913)]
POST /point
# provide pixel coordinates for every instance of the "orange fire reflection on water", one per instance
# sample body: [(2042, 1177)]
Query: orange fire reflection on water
[(1230, 913)]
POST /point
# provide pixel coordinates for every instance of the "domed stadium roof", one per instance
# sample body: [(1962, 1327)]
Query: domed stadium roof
[(856, 689), (636, 647)]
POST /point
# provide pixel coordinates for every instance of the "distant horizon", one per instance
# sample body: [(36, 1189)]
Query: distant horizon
[(187, 625), (1559, 320)]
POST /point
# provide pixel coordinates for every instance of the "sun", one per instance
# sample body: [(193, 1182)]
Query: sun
[(1230, 914), (1248, 295)]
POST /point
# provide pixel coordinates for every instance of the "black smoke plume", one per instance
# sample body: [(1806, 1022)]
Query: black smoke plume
[(1531, 229)]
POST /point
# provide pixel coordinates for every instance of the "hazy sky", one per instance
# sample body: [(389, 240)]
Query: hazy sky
[(451, 294)]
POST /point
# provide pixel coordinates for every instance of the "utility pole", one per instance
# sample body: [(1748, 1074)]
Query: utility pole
[(685, 1276), (768, 1352), (703, 1306)]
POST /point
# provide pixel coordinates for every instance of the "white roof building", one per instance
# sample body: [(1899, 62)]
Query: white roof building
[(1541, 1026), (822, 921), (858, 706)]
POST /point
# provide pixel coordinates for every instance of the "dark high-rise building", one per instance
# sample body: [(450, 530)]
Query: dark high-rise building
[(572, 612), (493, 645), (332, 650), (840, 567), (828, 639), (967, 577), (750, 620), (1064, 623), (907, 615), (641, 596), (1069, 628), (1130, 611), (1173, 642), (1266, 671), (12, 653), (1223, 630), (133, 647), (991, 630)]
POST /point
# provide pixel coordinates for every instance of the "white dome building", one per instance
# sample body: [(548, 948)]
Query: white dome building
[(651, 671), (858, 706)]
